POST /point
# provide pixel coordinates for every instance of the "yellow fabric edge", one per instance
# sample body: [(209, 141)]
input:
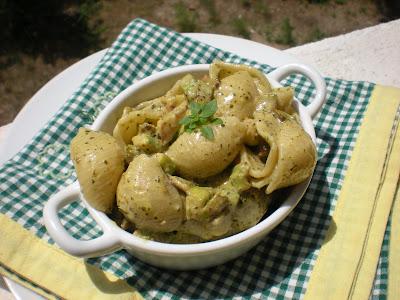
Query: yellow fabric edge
[(373, 247), (394, 250), (336, 274), (54, 270)]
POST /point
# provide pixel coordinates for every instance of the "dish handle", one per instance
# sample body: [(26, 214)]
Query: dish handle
[(104, 244), (316, 104)]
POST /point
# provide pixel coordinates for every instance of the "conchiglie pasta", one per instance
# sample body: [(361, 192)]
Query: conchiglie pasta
[(99, 162), (200, 162), (292, 155), (236, 96), (252, 207), (220, 70), (277, 99), (197, 157), (154, 111), (127, 126), (147, 198)]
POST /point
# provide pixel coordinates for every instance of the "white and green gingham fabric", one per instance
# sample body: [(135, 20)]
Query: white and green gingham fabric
[(280, 266)]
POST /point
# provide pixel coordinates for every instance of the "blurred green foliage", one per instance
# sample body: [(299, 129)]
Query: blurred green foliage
[(286, 35), (48, 27), (316, 35), (209, 5), (263, 9), (318, 1), (185, 19), (241, 28)]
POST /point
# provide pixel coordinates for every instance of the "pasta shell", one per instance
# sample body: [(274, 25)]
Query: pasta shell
[(197, 157), (292, 156), (147, 198), (99, 164), (236, 96)]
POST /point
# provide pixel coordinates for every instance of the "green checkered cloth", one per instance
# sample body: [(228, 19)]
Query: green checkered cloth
[(281, 265)]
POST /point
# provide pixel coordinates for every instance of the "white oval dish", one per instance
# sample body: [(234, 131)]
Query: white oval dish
[(174, 256)]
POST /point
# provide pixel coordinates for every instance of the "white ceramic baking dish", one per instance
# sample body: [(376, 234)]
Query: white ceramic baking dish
[(175, 256)]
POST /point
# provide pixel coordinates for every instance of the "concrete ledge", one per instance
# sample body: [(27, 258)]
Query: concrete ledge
[(371, 54)]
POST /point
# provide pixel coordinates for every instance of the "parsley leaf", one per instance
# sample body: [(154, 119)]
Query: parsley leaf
[(207, 132), (217, 121), (201, 116), (186, 120), (209, 109), (195, 107)]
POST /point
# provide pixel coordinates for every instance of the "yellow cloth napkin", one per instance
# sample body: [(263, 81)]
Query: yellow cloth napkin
[(347, 261), (48, 267)]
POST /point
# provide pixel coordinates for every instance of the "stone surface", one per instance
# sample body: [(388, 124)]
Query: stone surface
[(371, 54)]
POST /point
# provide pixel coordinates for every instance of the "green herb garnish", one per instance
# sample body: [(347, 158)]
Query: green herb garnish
[(201, 117)]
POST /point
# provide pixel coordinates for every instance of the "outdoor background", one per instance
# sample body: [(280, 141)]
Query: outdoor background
[(39, 39)]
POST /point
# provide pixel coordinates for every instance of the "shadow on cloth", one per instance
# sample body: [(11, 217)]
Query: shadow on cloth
[(104, 284)]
